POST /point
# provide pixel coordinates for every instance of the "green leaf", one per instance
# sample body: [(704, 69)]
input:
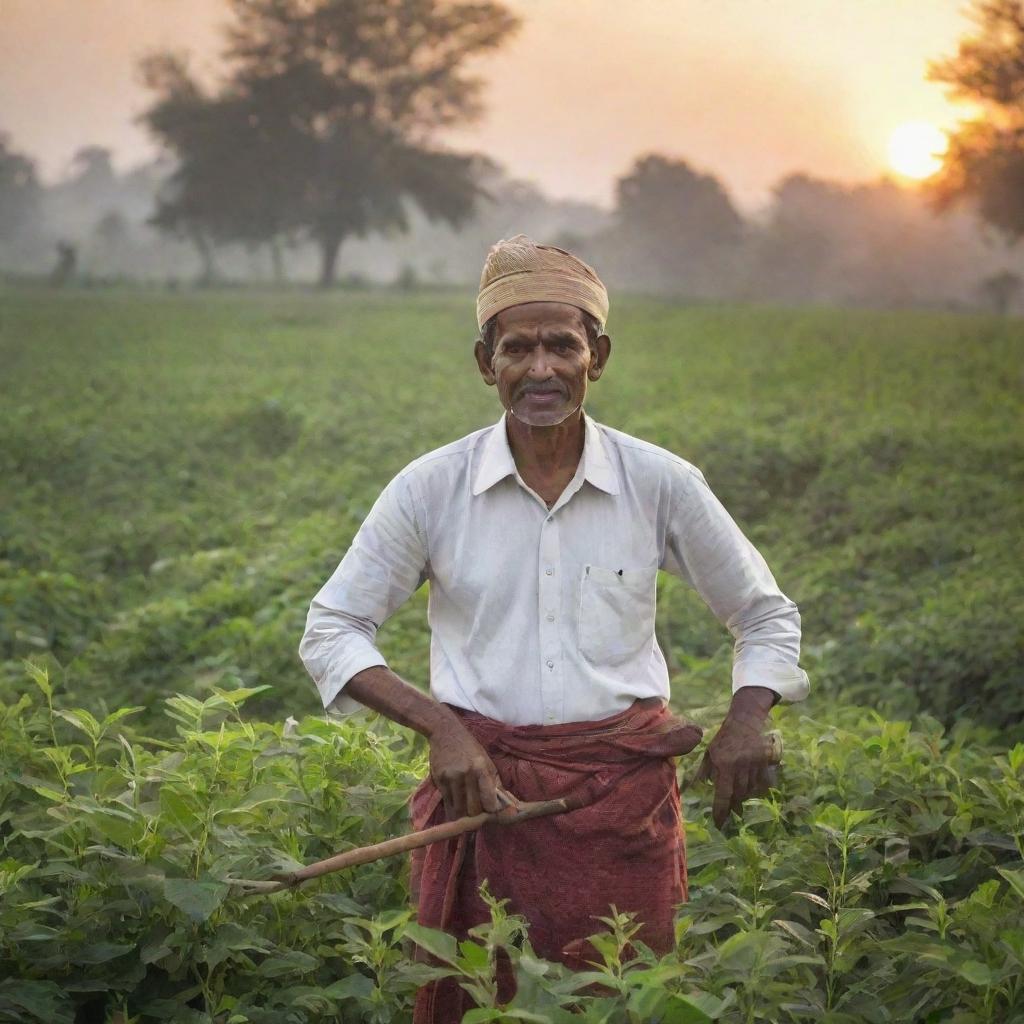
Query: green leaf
[(259, 796), (101, 952), (82, 720), (41, 677), (292, 962), (116, 716), (50, 794), (439, 944), (154, 952), (337, 903), (475, 956), (385, 922), (198, 899), (355, 986), (797, 931), (742, 950), (1015, 878), (178, 809), (976, 973), (854, 919), (243, 693), (42, 1001), (680, 1010), (119, 824)]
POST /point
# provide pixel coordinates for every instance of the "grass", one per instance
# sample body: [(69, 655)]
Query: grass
[(181, 472)]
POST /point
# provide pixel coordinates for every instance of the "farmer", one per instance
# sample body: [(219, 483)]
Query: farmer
[(542, 537)]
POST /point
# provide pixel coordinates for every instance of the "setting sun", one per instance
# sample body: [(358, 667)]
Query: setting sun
[(916, 148)]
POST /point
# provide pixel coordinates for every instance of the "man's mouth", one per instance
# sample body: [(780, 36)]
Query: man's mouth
[(541, 394)]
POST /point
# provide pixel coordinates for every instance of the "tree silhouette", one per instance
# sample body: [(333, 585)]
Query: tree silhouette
[(674, 228), (93, 170), (324, 123), (985, 159), (19, 190), (228, 185)]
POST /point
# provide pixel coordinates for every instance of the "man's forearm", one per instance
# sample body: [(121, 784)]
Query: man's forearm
[(459, 765), (381, 690)]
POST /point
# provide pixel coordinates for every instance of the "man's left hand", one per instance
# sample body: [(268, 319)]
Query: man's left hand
[(737, 759)]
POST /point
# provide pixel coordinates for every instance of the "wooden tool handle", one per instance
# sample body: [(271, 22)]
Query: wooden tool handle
[(509, 815)]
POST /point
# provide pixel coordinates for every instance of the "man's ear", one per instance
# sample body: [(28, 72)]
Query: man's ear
[(483, 362), (602, 349)]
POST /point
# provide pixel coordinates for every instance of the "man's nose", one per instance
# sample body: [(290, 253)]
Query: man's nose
[(540, 364)]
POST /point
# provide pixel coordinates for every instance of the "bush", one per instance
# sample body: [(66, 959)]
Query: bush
[(883, 882)]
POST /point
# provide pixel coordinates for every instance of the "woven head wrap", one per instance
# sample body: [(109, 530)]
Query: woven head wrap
[(518, 269)]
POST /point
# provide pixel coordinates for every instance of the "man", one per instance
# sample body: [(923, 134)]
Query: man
[(542, 537)]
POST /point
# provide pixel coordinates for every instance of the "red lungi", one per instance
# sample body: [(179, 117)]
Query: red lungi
[(624, 846)]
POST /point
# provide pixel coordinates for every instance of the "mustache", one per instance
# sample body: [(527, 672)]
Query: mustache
[(541, 386)]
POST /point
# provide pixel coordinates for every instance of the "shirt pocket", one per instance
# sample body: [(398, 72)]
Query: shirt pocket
[(616, 614)]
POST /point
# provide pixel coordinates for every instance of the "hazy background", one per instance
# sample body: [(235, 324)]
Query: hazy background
[(750, 92)]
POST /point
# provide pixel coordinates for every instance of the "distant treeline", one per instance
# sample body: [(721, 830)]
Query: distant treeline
[(672, 231)]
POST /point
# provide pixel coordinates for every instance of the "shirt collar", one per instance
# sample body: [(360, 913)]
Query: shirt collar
[(496, 461)]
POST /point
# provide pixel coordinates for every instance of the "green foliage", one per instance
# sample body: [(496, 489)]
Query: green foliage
[(985, 157), (883, 882), (180, 475), (117, 851)]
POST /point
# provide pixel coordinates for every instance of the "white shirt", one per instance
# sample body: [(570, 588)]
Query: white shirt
[(542, 616)]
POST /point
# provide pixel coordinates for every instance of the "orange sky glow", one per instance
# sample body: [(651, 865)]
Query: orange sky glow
[(747, 89)]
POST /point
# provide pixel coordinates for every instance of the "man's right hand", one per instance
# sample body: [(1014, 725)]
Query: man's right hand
[(459, 766), (463, 772)]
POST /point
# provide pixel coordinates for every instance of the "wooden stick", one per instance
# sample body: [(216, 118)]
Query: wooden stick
[(402, 844), (513, 813)]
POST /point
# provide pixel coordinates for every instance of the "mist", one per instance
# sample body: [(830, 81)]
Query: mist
[(672, 230)]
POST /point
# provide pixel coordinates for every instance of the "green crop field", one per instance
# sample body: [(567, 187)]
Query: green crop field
[(180, 473)]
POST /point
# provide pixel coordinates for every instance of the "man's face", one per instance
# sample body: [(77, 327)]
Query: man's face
[(542, 361)]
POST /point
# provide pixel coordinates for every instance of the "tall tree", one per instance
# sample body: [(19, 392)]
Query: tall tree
[(675, 228), (228, 184), (329, 109), (985, 159), (19, 190)]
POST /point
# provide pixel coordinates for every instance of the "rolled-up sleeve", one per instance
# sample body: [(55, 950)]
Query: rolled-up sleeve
[(706, 548), (386, 562)]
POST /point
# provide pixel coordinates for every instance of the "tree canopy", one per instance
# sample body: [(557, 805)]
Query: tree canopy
[(326, 120), (674, 227), (19, 189), (985, 159)]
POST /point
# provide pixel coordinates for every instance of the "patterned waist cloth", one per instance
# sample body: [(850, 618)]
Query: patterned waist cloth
[(623, 843)]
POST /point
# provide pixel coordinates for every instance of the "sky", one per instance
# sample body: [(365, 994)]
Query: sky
[(749, 90)]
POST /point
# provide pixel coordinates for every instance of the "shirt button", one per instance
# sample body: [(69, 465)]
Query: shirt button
[(549, 571), (551, 617), (551, 664)]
